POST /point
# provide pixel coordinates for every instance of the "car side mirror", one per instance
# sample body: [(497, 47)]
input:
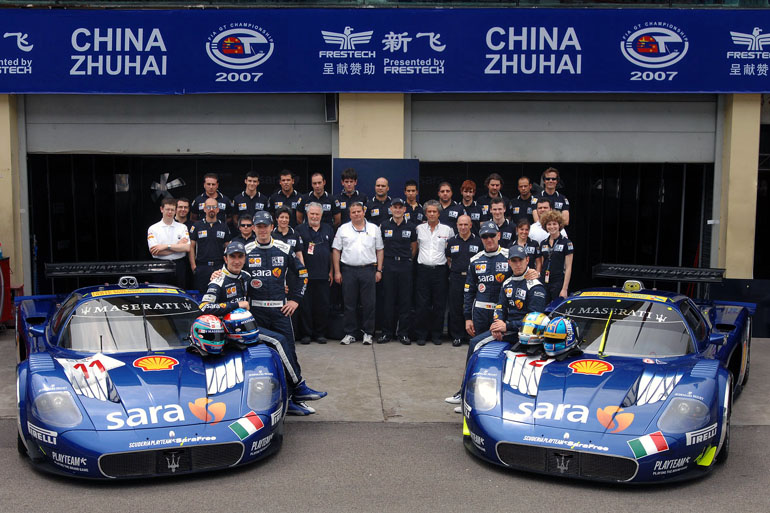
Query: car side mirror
[(37, 331), (718, 339)]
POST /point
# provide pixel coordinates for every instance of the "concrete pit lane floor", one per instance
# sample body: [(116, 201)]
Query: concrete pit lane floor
[(384, 440)]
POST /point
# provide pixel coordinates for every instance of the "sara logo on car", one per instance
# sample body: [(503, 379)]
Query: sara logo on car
[(202, 408), (610, 416), (155, 363)]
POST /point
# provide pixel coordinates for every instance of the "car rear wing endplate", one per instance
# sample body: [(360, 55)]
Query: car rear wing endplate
[(659, 273), (99, 269)]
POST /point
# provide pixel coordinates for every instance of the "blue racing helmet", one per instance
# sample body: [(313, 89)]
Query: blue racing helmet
[(240, 326), (207, 334), (561, 335), (532, 329)]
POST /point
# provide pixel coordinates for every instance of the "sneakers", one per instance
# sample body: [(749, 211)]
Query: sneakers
[(457, 342), (299, 408), (458, 409), (383, 339), (455, 399), (347, 339), (405, 340), (302, 392), (367, 339)]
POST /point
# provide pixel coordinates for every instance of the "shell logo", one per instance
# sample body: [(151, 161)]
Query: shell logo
[(611, 418), (592, 367), (155, 363)]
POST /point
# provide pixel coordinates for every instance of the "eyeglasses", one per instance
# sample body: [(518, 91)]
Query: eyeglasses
[(488, 236), (209, 207), (246, 225), (550, 179)]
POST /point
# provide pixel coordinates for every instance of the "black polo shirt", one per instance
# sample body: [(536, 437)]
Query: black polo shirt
[(523, 208), (378, 211), (533, 252), (554, 256), (461, 251), (246, 206), (342, 201), (448, 215), (291, 238), (327, 204), (459, 209), (225, 206), (558, 200), (239, 238), (316, 249), (210, 241), (483, 203), (507, 234), (398, 239), (278, 199), (414, 214)]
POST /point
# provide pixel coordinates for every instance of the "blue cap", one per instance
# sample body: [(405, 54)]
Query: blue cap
[(235, 247), (517, 251), (488, 227), (397, 200), (263, 217)]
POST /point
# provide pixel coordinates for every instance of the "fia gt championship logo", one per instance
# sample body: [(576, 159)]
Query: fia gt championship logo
[(654, 45), (239, 46)]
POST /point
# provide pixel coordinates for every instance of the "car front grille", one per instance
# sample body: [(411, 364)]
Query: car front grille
[(565, 462), (176, 460)]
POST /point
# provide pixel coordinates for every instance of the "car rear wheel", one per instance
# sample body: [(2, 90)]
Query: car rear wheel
[(20, 445), (724, 452), (748, 354)]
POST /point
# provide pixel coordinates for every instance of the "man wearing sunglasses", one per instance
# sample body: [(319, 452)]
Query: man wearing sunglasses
[(246, 229), (207, 241), (558, 200)]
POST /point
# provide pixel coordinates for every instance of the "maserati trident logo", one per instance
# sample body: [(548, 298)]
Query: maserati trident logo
[(562, 462), (347, 40), (173, 462)]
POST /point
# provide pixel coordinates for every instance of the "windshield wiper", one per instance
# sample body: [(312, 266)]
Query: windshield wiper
[(604, 334), (146, 333)]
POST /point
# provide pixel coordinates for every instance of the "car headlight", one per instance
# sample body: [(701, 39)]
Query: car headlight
[(684, 414), (264, 393), (481, 393), (57, 409)]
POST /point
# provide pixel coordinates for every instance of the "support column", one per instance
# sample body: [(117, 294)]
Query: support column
[(10, 227), (371, 126), (738, 205)]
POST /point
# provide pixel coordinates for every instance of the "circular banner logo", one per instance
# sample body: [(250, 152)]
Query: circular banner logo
[(240, 48), (654, 47)]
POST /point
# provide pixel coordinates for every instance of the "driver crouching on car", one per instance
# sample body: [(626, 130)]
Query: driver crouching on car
[(228, 291)]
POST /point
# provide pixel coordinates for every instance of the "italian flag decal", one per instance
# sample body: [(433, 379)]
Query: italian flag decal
[(647, 445), (248, 425)]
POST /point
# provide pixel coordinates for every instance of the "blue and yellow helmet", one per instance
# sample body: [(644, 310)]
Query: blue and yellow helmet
[(240, 326), (532, 329), (207, 334), (561, 335)]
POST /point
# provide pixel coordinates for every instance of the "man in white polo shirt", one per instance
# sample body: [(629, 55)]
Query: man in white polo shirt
[(357, 254), (169, 240)]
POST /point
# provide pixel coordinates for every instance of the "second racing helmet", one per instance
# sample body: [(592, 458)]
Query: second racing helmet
[(240, 326)]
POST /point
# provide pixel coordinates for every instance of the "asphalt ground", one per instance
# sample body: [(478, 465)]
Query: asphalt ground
[(384, 440)]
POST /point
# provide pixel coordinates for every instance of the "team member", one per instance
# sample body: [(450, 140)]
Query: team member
[(556, 253), (170, 240), (505, 227), (349, 195), (378, 209), (447, 215), (467, 206), (208, 237), (250, 201), (531, 247), (432, 238), (459, 251), (211, 190), (286, 196), (399, 237), (318, 194), (559, 202), (414, 212), (357, 254), (524, 206), (317, 238), (286, 233), (229, 289), (517, 297), (183, 212), (246, 229), (494, 184), (536, 232)]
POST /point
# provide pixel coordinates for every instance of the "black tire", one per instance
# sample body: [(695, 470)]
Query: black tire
[(724, 452), (748, 355), (20, 445)]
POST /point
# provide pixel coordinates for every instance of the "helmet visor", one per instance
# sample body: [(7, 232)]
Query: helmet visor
[(212, 336)]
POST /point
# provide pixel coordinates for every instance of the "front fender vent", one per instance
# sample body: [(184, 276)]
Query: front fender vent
[(493, 349), (705, 369), (41, 362)]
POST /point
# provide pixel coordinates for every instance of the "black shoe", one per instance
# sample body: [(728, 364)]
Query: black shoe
[(405, 340), (305, 340), (321, 339), (457, 342), (383, 339), (436, 341), (421, 342)]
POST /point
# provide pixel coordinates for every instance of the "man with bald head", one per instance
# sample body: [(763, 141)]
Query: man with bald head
[(207, 242), (459, 251)]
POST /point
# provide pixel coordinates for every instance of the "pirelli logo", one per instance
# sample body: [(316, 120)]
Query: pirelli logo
[(707, 433)]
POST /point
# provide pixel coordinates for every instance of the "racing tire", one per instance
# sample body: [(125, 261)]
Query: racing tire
[(20, 445), (748, 354), (724, 452)]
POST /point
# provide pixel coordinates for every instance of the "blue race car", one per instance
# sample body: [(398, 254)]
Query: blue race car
[(107, 387), (646, 397)]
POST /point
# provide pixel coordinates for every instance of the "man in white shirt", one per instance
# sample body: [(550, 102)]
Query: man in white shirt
[(432, 284), (357, 254), (169, 240), (536, 232)]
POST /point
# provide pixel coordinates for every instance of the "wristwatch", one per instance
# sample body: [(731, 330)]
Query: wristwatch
[(169, 246), (379, 271)]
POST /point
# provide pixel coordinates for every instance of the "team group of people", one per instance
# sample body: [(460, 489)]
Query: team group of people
[(398, 266)]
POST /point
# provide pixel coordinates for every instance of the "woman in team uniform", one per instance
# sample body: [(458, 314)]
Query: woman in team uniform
[(556, 255), (531, 247)]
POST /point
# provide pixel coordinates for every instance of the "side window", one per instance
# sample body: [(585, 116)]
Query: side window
[(64, 312), (695, 321)]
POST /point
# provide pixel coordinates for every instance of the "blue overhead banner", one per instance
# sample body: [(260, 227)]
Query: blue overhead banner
[(384, 50)]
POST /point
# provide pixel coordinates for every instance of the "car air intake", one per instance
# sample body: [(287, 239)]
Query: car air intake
[(172, 460)]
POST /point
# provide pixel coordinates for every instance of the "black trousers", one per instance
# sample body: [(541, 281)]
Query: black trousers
[(431, 301), (554, 286), (203, 276), (314, 310), (358, 286), (397, 299), (456, 323)]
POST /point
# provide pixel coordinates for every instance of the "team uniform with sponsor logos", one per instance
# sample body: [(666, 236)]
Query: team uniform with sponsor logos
[(553, 264), (522, 209), (414, 214), (225, 206), (448, 215), (486, 274), (378, 211), (533, 252), (278, 199), (328, 206), (222, 297), (483, 203), (246, 206), (210, 239), (473, 211), (342, 201), (460, 251), (507, 234), (397, 276), (316, 250)]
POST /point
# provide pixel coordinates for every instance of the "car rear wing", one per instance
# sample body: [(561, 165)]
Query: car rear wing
[(654, 273), (102, 269)]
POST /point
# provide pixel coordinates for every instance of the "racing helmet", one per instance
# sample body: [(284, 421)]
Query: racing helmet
[(561, 335), (532, 329), (240, 326), (207, 334)]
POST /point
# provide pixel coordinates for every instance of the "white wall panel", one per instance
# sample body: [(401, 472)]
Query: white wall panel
[(606, 128), (167, 125)]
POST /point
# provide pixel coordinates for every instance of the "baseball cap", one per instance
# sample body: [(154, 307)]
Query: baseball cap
[(397, 200), (517, 251), (263, 217), (488, 227), (235, 247)]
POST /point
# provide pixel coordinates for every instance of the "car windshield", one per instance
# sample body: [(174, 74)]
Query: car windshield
[(628, 327), (130, 323)]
